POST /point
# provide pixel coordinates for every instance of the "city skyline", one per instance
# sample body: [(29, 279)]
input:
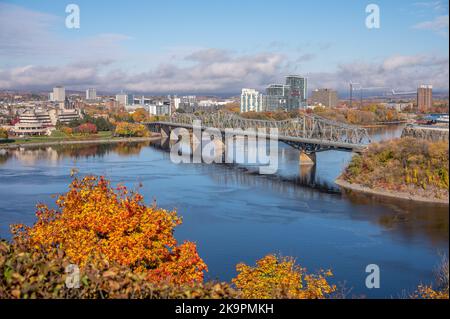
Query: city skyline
[(327, 43)]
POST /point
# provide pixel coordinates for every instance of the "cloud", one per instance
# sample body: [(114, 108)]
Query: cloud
[(434, 5), (403, 61), (209, 55), (395, 72), (45, 77), (229, 75), (27, 34), (439, 25), (24, 30), (206, 74)]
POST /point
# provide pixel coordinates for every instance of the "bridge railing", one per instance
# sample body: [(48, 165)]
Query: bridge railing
[(305, 126)]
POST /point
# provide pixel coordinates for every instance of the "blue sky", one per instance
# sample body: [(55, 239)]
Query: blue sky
[(220, 46)]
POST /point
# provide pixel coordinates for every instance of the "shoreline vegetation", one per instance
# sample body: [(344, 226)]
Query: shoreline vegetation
[(367, 116), (85, 133), (68, 141), (404, 168), (392, 194), (124, 248)]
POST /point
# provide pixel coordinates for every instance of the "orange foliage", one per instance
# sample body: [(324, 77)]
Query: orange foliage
[(275, 277), (66, 130), (140, 115), (131, 129), (234, 107), (427, 292), (93, 219)]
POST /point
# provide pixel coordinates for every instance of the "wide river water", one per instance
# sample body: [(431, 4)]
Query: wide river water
[(236, 215)]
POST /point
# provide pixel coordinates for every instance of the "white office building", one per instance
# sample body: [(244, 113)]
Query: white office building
[(91, 94), (251, 101), (59, 94), (159, 109), (176, 102), (122, 98)]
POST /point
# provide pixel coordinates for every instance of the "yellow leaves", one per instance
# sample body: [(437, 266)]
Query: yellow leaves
[(96, 220), (409, 165), (427, 292), (131, 129), (280, 277), (15, 293)]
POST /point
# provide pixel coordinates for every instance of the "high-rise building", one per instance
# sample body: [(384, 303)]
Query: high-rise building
[(289, 96), (122, 98), (176, 102), (130, 99), (188, 103), (91, 94), (251, 101), (277, 97), (424, 97), (59, 94), (298, 92), (325, 97)]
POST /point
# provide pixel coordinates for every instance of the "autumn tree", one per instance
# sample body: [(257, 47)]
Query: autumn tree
[(86, 129), (3, 133), (131, 130), (280, 277), (140, 115), (441, 286), (234, 107), (94, 219)]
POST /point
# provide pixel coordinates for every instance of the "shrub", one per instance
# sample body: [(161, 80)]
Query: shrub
[(66, 130), (442, 284), (3, 133), (403, 164), (35, 273), (94, 219), (278, 277), (86, 129)]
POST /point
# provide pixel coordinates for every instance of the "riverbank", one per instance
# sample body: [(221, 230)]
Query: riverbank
[(407, 168), (384, 124), (82, 141), (391, 194)]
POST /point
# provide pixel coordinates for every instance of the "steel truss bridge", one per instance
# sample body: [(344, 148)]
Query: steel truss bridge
[(307, 133)]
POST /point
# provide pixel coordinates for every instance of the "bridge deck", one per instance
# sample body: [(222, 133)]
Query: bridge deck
[(322, 144)]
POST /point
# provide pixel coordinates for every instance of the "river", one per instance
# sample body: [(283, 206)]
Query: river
[(236, 215)]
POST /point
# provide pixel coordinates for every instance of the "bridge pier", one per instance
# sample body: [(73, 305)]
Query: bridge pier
[(165, 132), (307, 174), (307, 159), (165, 143)]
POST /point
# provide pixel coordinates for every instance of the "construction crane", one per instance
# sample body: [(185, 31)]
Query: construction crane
[(361, 88), (403, 93)]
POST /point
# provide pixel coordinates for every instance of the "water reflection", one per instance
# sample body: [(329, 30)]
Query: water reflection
[(55, 153), (404, 218)]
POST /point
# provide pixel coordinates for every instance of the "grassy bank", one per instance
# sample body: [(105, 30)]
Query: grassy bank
[(55, 137), (405, 168), (51, 140)]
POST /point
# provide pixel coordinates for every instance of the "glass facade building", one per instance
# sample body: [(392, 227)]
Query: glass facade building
[(298, 91), (289, 96), (276, 97)]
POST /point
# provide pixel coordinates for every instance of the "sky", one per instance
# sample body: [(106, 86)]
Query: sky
[(222, 46)]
